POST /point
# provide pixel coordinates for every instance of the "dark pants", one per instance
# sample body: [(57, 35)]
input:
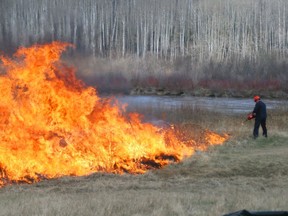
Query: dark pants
[(257, 124)]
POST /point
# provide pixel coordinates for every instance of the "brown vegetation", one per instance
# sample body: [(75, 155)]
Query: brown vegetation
[(158, 77)]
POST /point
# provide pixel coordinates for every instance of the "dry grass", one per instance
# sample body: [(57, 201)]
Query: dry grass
[(242, 174)]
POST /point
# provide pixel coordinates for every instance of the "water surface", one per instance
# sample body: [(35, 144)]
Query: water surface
[(222, 105)]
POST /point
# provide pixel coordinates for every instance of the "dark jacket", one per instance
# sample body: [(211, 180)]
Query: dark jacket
[(260, 110)]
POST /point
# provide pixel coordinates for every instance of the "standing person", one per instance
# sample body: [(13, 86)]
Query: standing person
[(260, 115)]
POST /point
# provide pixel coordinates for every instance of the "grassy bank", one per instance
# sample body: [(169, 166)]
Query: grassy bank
[(242, 174)]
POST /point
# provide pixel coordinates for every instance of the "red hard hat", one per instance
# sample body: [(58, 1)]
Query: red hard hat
[(256, 98)]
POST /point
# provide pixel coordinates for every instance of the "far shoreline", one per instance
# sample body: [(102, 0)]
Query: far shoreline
[(201, 92)]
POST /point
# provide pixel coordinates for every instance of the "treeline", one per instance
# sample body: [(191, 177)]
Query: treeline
[(241, 35), (203, 29)]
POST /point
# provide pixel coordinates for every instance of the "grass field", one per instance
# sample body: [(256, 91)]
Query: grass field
[(241, 174)]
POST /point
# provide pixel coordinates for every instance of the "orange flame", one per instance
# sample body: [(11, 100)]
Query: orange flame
[(52, 125)]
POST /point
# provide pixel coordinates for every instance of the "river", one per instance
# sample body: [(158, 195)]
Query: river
[(222, 105)]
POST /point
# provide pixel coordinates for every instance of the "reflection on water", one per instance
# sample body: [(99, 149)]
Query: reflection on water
[(223, 105)]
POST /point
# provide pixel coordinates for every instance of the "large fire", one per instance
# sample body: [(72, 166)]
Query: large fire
[(52, 125)]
